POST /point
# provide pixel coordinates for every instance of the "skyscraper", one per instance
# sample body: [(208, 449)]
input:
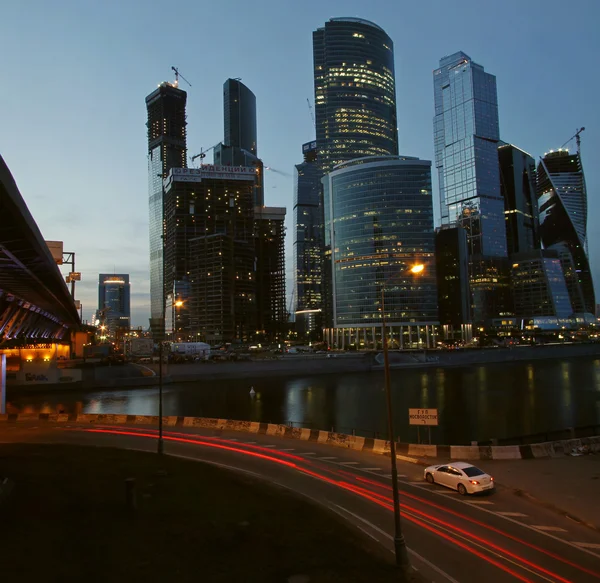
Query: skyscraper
[(239, 146), (308, 241), (167, 148), (114, 300), (562, 202), (210, 243), (466, 135), (269, 231), (239, 104), (355, 94), (518, 188), (377, 235)]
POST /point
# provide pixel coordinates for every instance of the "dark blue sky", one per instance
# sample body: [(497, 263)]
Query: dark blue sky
[(74, 75)]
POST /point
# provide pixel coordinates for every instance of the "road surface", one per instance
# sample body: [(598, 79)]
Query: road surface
[(494, 538)]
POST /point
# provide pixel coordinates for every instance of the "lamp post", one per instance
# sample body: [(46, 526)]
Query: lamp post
[(161, 443), (400, 549)]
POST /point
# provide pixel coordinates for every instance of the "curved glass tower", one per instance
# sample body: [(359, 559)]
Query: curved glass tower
[(355, 94), (379, 226), (562, 202)]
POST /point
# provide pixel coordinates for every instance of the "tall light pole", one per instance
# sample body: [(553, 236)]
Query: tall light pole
[(399, 543), (161, 443)]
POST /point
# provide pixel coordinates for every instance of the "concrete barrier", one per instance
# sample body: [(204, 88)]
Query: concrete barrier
[(379, 446)]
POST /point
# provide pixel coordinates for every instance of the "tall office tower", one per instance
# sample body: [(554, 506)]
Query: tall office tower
[(239, 146), (166, 149), (562, 202), (239, 105), (518, 188), (382, 241), (452, 269), (466, 139), (355, 93), (271, 310), (114, 301), (210, 242), (308, 242)]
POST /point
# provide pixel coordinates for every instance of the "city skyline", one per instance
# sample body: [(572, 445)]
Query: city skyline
[(79, 146)]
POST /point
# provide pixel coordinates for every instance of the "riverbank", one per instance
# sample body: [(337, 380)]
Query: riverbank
[(135, 376)]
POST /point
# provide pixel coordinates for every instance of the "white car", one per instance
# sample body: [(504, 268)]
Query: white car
[(461, 476)]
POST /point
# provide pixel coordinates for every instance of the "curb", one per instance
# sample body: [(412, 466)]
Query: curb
[(408, 452)]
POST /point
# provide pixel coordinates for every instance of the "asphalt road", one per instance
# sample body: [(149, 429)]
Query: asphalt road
[(497, 537)]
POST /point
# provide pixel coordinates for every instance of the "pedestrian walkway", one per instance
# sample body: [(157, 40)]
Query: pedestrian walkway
[(569, 484)]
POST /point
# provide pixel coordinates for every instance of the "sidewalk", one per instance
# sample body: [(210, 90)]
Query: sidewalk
[(568, 484)]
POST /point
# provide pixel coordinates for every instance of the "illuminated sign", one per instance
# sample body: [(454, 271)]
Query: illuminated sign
[(213, 171), (422, 416)]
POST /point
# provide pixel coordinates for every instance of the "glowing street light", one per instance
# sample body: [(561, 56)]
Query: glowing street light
[(178, 303), (418, 268)]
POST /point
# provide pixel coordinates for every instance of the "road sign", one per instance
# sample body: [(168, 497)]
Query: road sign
[(422, 416)]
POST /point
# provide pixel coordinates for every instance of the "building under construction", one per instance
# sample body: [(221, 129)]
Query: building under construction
[(210, 244)]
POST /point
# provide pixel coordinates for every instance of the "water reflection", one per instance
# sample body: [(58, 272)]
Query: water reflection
[(497, 400)]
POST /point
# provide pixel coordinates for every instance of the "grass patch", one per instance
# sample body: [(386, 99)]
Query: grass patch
[(67, 521)]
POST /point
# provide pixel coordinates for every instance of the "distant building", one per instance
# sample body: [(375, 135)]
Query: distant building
[(466, 136), (114, 301), (452, 269), (376, 236), (518, 188), (167, 148), (355, 91), (210, 243), (271, 309), (562, 202), (308, 242)]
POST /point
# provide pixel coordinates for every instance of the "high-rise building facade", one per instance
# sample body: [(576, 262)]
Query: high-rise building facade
[(308, 241), (167, 148), (452, 270), (466, 135), (562, 203), (114, 301), (210, 243), (539, 288), (355, 94), (239, 146), (379, 227), (518, 189), (269, 229), (239, 106)]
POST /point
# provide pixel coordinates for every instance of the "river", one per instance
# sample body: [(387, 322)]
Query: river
[(475, 403)]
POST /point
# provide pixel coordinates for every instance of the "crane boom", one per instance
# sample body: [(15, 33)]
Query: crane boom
[(310, 109), (177, 75), (575, 137)]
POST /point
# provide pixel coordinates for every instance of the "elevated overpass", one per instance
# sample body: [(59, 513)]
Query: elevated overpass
[(35, 303)]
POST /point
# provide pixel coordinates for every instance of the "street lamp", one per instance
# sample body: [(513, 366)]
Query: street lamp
[(399, 543)]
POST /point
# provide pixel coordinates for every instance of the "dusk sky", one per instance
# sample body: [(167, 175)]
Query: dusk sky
[(74, 75)]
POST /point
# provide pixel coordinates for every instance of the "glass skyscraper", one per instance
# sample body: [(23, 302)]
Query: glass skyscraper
[(378, 225), (114, 300), (466, 135), (167, 148), (562, 202), (308, 240), (239, 146), (355, 94), (518, 188)]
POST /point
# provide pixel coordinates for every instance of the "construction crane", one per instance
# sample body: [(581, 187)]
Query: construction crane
[(310, 109), (202, 153), (576, 138), (177, 75)]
